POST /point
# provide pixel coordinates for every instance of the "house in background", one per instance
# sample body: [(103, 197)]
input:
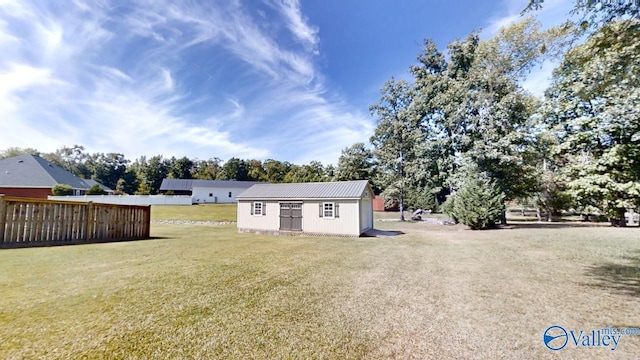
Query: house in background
[(32, 176), (206, 191), (342, 208)]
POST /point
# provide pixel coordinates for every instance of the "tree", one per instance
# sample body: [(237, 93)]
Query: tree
[(395, 137), (96, 190), (313, 172), (276, 170), (16, 151), (73, 159), (474, 110), (256, 171), (478, 203), (597, 13), (107, 168), (355, 163), (181, 168), (593, 106), (235, 169), (62, 190), (150, 173), (207, 169)]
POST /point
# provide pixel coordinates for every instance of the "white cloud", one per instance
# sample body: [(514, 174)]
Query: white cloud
[(297, 24), (150, 78)]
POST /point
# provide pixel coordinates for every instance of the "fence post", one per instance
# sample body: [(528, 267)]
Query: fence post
[(3, 217), (89, 226), (147, 220)]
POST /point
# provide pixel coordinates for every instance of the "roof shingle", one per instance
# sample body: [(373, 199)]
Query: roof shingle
[(33, 171)]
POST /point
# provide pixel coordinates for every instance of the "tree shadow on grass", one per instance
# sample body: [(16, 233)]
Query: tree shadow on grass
[(554, 225), (616, 277)]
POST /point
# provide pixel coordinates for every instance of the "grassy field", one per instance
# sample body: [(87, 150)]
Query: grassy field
[(205, 291), (200, 212)]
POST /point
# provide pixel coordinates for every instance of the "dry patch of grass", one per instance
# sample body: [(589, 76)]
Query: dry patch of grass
[(209, 292)]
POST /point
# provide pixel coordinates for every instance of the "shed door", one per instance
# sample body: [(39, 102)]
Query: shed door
[(290, 217)]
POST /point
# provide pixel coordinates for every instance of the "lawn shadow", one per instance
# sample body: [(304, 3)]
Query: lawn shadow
[(553, 225), (43, 244), (615, 277), (381, 233)]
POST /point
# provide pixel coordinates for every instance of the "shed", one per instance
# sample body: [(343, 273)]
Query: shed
[(343, 208)]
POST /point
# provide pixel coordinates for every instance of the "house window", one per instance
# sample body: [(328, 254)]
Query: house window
[(210, 194), (257, 209), (229, 193), (328, 210)]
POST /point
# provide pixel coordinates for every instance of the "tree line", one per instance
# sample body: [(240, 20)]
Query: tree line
[(145, 174)]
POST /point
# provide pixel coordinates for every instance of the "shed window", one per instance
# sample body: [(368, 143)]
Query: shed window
[(257, 209), (229, 193), (328, 210), (210, 194)]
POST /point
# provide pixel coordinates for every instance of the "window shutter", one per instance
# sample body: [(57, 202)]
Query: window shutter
[(252, 205), (264, 209), (321, 209), (336, 210)]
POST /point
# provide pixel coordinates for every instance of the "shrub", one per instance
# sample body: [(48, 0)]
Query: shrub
[(96, 190), (478, 203), (61, 190)]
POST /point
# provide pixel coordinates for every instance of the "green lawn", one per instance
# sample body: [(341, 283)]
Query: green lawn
[(205, 291), (200, 212)]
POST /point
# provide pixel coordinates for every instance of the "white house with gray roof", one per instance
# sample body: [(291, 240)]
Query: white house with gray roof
[(206, 191), (343, 208)]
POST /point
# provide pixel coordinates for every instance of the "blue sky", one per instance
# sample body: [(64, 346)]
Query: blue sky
[(283, 79)]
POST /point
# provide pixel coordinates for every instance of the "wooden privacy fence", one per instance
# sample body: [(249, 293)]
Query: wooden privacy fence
[(37, 222)]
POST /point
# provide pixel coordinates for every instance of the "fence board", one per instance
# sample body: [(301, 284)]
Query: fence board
[(31, 222)]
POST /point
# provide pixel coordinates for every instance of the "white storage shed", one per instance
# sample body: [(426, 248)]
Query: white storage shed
[(343, 208)]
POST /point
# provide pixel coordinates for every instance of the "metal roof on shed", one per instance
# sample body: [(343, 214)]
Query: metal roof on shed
[(189, 184), (299, 191)]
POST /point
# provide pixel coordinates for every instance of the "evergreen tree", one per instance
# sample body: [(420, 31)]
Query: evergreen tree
[(478, 203)]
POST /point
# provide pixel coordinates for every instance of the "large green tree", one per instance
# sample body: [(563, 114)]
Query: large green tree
[(594, 108), (474, 109), (355, 163), (395, 138)]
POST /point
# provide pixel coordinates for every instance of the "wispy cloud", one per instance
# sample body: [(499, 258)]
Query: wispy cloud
[(297, 24), (173, 78)]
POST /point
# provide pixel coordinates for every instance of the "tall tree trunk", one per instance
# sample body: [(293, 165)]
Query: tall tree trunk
[(401, 180), (503, 217)]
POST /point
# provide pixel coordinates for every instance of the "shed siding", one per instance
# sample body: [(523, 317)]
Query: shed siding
[(345, 224), (268, 222), (366, 214)]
